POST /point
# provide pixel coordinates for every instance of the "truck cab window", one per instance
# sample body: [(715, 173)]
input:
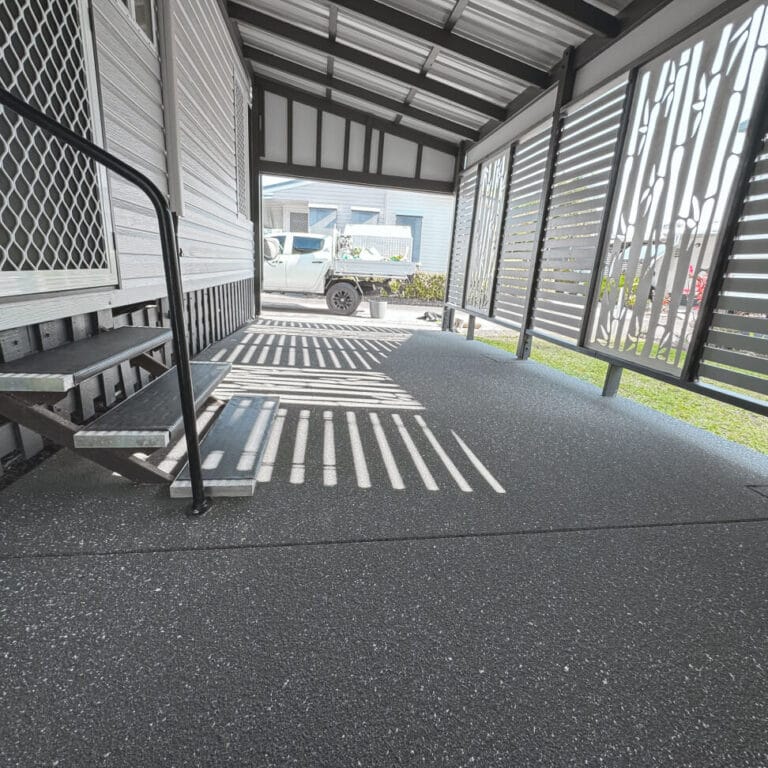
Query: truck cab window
[(308, 244)]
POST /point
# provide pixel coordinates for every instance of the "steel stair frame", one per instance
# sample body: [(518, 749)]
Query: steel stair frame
[(172, 271)]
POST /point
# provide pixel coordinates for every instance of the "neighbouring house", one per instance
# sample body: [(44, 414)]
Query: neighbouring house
[(305, 205)]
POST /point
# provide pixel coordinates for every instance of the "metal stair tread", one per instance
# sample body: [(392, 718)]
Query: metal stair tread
[(151, 417), (233, 449), (62, 368)]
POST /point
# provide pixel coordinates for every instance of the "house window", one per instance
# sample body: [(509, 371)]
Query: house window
[(322, 219), (143, 13), (415, 223), (364, 216)]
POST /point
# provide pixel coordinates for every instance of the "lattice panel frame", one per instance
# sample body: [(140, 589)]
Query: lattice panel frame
[(56, 230), (686, 137), (580, 189), (736, 347), (462, 235), (521, 221), (486, 233)]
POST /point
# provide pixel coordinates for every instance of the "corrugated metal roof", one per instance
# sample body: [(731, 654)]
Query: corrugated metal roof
[(386, 86), (373, 37), (463, 82)]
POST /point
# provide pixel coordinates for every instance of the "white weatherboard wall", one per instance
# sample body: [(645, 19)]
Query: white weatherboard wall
[(216, 241), (436, 210), (214, 238), (132, 104)]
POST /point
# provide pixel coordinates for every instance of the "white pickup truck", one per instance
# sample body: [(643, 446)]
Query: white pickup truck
[(297, 262)]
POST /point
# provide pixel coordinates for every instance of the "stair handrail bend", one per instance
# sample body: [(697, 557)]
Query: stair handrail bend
[(200, 504)]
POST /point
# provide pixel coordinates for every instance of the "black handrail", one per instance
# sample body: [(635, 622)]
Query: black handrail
[(200, 504)]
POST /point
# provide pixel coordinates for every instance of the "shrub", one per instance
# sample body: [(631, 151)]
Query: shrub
[(422, 285)]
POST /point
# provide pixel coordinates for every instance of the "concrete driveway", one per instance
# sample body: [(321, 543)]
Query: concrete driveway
[(452, 558)]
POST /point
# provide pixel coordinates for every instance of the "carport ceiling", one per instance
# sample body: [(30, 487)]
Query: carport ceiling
[(449, 68)]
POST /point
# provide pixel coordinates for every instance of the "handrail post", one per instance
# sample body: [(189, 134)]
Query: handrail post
[(200, 504)]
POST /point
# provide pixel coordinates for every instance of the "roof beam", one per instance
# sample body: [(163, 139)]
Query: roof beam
[(455, 14), (435, 35), (357, 115), (305, 73), (275, 26), (586, 15), (356, 177)]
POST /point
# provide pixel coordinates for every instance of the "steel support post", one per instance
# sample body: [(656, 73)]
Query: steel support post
[(602, 240), (612, 380), (254, 124)]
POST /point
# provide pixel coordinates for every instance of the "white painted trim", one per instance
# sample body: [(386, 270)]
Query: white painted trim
[(130, 11), (16, 313)]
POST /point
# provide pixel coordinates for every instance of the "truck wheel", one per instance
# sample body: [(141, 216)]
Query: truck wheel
[(343, 298)]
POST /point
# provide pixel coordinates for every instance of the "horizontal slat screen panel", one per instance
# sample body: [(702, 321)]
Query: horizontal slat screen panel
[(465, 210), (518, 245), (736, 349), (577, 206), (485, 234)]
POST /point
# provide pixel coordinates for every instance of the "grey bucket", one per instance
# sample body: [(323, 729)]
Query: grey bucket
[(378, 308)]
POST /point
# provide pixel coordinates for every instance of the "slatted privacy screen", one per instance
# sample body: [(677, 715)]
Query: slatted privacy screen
[(736, 349), (54, 217), (585, 157), (485, 235), (462, 234), (518, 246), (691, 110)]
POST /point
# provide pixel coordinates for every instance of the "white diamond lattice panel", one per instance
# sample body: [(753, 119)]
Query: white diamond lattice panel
[(52, 232)]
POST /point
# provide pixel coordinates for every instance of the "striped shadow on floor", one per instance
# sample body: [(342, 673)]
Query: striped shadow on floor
[(370, 449), (309, 386), (320, 348)]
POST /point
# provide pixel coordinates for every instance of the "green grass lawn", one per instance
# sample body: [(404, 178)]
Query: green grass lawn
[(721, 419)]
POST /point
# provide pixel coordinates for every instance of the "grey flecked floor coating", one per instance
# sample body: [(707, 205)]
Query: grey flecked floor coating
[(609, 609)]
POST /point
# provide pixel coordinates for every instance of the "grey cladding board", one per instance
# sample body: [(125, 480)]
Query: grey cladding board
[(153, 415), (233, 449), (62, 368)]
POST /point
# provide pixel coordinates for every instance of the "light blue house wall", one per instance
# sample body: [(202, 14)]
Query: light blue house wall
[(314, 203)]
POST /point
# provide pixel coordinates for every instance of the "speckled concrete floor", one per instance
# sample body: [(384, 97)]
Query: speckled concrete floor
[(611, 608)]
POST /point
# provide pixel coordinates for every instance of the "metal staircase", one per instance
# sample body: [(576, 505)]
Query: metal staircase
[(144, 422), (161, 411)]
